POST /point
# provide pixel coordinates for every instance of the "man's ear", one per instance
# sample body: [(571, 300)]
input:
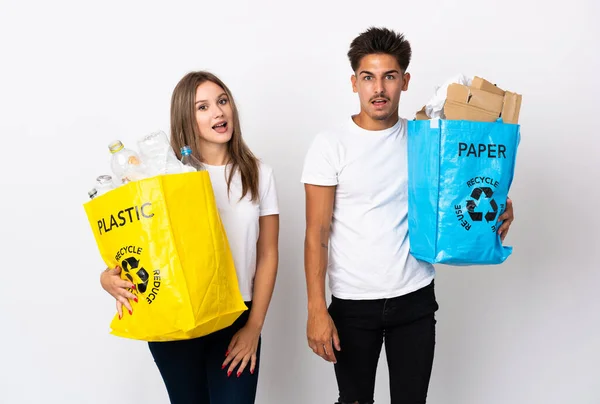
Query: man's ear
[(406, 79), (353, 81)]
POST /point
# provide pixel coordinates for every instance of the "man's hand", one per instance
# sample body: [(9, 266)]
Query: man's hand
[(322, 334), (507, 217)]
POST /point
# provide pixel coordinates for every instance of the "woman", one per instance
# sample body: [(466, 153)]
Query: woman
[(220, 368)]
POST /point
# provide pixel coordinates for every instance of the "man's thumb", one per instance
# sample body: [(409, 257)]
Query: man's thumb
[(336, 341)]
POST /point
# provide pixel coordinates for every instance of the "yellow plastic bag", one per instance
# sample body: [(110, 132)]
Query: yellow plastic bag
[(166, 235)]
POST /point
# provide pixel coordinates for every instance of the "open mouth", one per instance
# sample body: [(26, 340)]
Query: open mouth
[(379, 102), (221, 127)]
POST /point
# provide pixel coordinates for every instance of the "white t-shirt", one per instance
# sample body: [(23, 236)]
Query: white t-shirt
[(369, 248), (240, 218)]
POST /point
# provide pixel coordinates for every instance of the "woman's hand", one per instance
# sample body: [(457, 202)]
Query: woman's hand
[(111, 281), (242, 350)]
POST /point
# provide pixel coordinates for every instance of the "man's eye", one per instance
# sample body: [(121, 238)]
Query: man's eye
[(390, 77), (368, 77)]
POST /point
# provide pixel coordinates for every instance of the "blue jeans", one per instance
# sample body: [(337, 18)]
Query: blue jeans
[(191, 369)]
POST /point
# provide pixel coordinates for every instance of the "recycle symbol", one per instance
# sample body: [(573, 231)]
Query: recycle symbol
[(130, 265), (474, 202)]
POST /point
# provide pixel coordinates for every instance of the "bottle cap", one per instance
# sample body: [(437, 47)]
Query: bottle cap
[(104, 179), (186, 150), (115, 146)]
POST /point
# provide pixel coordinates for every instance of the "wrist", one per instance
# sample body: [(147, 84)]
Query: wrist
[(317, 305), (104, 278), (254, 324)]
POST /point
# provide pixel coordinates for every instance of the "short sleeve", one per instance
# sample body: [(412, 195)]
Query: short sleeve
[(269, 204), (319, 163)]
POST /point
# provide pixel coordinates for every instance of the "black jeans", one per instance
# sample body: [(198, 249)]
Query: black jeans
[(191, 369), (407, 326)]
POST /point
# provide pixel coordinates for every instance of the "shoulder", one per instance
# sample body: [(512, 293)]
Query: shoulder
[(264, 169), (266, 177), (267, 190), (329, 141), (332, 135)]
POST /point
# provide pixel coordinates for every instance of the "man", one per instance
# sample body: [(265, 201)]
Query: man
[(355, 180)]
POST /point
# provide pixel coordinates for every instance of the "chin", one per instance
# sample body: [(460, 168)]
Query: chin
[(220, 140), (380, 116)]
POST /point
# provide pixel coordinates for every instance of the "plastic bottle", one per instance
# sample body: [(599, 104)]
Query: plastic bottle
[(125, 163), (158, 155), (191, 162), (104, 183)]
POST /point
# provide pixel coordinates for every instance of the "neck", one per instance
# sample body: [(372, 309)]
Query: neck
[(366, 122), (214, 154)]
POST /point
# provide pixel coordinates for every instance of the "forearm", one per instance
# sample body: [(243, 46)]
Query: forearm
[(315, 266), (264, 283)]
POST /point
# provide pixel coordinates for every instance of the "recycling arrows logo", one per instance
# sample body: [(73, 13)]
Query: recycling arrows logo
[(474, 202), (135, 273)]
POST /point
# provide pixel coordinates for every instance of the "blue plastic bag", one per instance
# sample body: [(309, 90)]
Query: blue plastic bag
[(459, 175)]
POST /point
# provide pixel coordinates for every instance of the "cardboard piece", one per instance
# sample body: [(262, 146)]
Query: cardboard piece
[(455, 110), (482, 101), (475, 98), (421, 115), (511, 107), (483, 84)]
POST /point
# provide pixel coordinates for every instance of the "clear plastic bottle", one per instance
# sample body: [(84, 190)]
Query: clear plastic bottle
[(158, 155), (125, 163), (104, 183), (191, 162)]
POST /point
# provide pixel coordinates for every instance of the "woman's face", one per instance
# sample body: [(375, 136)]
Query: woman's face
[(214, 115)]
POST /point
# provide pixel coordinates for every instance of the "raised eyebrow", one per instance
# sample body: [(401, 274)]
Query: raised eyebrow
[(220, 95)]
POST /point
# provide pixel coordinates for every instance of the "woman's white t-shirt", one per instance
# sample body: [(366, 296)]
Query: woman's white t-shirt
[(240, 218)]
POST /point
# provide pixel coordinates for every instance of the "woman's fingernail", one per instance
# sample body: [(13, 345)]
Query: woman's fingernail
[(227, 353), (130, 312), (135, 299), (223, 367), (252, 371), (133, 287), (239, 374), (120, 316), (229, 373)]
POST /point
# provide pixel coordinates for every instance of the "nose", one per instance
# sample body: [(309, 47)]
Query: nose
[(218, 112), (379, 87)]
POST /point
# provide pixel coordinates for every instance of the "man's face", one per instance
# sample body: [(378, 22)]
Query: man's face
[(379, 81)]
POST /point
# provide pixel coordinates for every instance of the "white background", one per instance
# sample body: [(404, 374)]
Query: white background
[(74, 75)]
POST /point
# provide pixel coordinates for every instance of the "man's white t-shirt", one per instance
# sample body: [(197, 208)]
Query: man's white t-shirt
[(369, 254), (241, 218)]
